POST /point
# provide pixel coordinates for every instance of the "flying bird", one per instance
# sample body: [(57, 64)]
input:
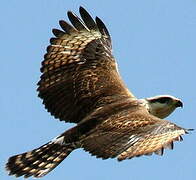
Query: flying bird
[(80, 83)]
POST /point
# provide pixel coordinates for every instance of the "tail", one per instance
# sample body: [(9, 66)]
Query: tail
[(40, 161)]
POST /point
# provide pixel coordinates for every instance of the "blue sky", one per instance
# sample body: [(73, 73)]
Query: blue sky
[(154, 43)]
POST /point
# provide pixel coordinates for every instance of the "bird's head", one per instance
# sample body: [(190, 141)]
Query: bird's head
[(163, 105)]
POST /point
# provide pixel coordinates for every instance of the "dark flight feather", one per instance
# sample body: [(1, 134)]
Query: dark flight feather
[(80, 83)]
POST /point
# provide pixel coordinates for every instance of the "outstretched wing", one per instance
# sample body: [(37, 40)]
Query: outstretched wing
[(79, 72), (127, 135)]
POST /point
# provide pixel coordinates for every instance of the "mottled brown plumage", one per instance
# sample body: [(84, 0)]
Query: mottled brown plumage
[(80, 83), (79, 71)]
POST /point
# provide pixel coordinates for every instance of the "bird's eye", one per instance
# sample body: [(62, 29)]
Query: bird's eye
[(163, 100)]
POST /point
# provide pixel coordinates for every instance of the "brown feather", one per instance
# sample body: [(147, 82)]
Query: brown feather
[(79, 72), (80, 83)]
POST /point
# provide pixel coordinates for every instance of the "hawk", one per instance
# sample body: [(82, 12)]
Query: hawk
[(80, 83)]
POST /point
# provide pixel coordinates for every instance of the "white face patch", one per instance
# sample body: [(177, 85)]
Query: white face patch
[(161, 110), (158, 108)]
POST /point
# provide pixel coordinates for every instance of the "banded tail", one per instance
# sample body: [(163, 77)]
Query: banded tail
[(40, 161)]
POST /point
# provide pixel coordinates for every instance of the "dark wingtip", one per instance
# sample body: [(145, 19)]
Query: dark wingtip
[(69, 13), (66, 27), (53, 40), (57, 32), (102, 27), (8, 168), (76, 21), (82, 9), (87, 19), (159, 151), (169, 145), (187, 130)]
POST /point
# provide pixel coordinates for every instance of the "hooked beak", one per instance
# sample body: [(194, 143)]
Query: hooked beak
[(179, 103)]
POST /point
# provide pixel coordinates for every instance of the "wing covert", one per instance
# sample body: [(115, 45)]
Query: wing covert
[(132, 134), (79, 71)]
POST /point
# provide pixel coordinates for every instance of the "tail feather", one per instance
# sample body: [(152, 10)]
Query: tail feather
[(38, 162)]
